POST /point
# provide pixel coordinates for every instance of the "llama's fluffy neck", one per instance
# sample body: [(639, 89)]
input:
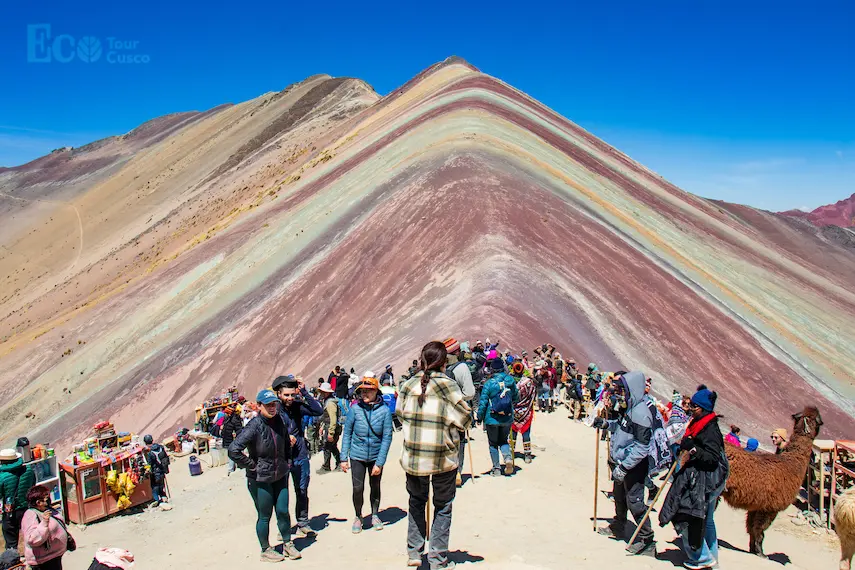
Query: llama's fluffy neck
[(800, 444)]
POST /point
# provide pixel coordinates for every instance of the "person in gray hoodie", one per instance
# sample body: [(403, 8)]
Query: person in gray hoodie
[(628, 453)]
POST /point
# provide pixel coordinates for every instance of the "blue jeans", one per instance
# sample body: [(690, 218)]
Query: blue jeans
[(300, 474), (267, 498), (708, 553), (497, 438), (157, 485)]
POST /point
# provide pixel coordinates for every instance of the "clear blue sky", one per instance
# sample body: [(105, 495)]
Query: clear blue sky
[(749, 102)]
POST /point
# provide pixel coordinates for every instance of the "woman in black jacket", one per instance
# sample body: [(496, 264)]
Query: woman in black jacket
[(232, 426), (691, 502), (268, 443)]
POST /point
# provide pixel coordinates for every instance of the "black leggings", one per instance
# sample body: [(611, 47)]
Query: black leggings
[(358, 469)]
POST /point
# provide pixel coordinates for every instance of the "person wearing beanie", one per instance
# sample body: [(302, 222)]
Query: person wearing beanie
[(158, 460), (496, 412), (779, 440), (690, 503)]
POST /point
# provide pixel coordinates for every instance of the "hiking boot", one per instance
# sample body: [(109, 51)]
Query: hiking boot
[(699, 566), (271, 555), (509, 466), (414, 562), (527, 458), (612, 530), (357, 525), (376, 523), (323, 470), (459, 480), (643, 548), (447, 566), (496, 472), (304, 531), (290, 551)]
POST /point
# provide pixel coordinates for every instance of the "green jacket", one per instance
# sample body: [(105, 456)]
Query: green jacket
[(15, 481)]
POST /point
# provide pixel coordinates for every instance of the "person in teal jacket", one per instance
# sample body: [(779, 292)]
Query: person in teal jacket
[(15, 481), (496, 412), (367, 437)]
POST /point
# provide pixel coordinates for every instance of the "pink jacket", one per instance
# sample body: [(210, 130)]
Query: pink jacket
[(732, 439), (43, 541)]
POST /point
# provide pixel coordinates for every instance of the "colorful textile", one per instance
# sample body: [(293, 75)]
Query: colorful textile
[(524, 408)]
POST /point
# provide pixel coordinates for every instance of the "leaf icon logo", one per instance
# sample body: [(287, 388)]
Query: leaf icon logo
[(89, 49)]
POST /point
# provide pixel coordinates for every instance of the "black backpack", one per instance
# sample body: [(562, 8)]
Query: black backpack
[(162, 459)]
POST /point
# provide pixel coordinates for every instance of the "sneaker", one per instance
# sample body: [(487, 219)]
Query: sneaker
[(496, 472), (376, 523), (323, 470), (643, 548), (611, 531), (271, 555), (357, 525), (414, 562), (509, 466), (338, 468), (447, 566), (304, 531), (699, 565), (290, 551), (528, 458), (459, 480), (155, 504)]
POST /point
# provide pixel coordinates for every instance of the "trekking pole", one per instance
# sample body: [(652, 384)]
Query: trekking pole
[(652, 504), (471, 461), (596, 477), (427, 513)]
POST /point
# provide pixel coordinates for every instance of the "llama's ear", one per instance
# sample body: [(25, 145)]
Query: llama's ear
[(818, 419), (798, 416)]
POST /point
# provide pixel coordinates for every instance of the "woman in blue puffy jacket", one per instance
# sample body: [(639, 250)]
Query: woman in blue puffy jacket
[(367, 437)]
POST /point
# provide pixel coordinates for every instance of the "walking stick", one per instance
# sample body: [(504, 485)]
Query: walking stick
[(652, 503), (596, 477), (471, 461), (427, 513)]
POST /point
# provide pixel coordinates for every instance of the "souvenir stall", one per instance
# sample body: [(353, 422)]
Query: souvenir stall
[(43, 462), (208, 410), (104, 475)]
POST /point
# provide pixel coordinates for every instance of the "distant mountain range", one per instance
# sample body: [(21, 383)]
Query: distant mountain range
[(841, 214)]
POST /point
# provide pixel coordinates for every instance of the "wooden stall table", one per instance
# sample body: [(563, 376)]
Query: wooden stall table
[(821, 448), (87, 495), (840, 470)]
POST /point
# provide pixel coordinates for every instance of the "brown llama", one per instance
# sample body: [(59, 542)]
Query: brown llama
[(844, 526), (764, 484)]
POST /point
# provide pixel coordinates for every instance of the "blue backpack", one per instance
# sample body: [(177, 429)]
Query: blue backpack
[(501, 404), (343, 410)]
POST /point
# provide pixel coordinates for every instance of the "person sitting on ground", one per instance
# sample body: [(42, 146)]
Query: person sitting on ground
[(433, 412), (459, 371), (629, 450), (779, 440), (365, 445), (268, 443), (523, 410), (733, 437), (158, 461), (231, 428), (298, 407), (15, 481), (45, 535), (330, 430), (496, 411), (691, 501)]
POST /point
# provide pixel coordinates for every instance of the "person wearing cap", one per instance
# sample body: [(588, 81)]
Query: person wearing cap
[(387, 378), (298, 407), (691, 501), (15, 481), (268, 443), (779, 440), (459, 371), (330, 429), (752, 444), (500, 387), (365, 446), (158, 461)]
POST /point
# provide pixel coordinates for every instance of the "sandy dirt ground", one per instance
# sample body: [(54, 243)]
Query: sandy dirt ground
[(539, 518)]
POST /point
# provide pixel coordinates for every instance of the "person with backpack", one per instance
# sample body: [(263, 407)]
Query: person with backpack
[(158, 461), (387, 378), (691, 501), (15, 481), (523, 410), (541, 382), (576, 397), (297, 406), (460, 373), (268, 446), (365, 445), (496, 411), (232, 426), (330, 429), (629, 450), (46, 537), (433, 412)]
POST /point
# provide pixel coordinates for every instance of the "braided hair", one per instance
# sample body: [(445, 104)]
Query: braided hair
[(433, 359)]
